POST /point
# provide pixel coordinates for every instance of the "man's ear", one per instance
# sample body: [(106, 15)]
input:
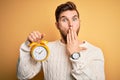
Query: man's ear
[(57, 25)]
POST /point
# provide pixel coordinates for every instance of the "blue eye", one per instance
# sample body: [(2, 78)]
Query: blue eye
[(64, 20), (74, 19)]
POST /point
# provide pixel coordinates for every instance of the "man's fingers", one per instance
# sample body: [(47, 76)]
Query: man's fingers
[(38, 34), (42, 35), (30, 39), (72, 34), (35, 36), (32, 35), (68, 37)]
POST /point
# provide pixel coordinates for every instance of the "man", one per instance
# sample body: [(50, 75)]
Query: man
[(69, 59)]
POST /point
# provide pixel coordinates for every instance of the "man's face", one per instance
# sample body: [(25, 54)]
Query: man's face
[(66, 20)]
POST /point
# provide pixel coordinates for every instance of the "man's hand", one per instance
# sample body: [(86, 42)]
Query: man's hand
[(73, 44), (35, 36)]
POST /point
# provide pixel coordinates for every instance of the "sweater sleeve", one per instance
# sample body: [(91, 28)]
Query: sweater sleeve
[(27, 67), (90, 67)]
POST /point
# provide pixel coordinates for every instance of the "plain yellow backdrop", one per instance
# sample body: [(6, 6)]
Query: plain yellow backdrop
[(100, 25)]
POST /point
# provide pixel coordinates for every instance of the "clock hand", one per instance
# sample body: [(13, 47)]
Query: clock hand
[(40, 52)]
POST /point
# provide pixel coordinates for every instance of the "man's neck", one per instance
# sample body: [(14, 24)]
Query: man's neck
[(63, 41)]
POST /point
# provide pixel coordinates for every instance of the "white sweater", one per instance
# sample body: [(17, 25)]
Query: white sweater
[(59, 66)]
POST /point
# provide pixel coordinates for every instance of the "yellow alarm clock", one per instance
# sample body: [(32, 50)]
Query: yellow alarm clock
[(39, 51)]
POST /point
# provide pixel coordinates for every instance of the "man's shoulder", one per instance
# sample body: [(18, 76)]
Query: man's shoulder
[(97, 51), (93, 48)]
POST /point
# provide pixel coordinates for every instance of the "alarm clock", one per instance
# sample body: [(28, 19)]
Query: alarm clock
[(39, 51)]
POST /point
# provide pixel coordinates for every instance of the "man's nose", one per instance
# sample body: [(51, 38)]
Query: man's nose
[(70, 23)]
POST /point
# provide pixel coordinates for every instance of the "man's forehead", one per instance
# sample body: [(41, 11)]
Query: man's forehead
[(69, 13)]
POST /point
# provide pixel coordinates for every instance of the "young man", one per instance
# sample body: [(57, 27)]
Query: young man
[(88, 64)]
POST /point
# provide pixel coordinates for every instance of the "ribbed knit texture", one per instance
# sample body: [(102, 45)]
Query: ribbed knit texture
[(59, 65)]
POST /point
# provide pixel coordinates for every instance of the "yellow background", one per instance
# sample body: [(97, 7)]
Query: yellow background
[(100, 25)]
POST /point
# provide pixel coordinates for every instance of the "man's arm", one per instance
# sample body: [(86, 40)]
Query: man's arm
[(27, 67), (88, 68)]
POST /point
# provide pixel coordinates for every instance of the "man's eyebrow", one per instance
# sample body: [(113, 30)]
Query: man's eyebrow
[(75, 16), (62, 17), (66, 17)]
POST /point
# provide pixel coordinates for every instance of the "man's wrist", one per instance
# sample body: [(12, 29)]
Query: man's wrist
[(27, 43)]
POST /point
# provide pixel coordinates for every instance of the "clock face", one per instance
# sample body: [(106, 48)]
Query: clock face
[(40, 53)]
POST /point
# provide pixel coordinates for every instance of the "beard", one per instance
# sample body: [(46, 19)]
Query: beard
[(64, 36)]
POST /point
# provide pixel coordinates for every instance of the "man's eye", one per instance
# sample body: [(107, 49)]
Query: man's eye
[(74, 19), (64, 20)]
